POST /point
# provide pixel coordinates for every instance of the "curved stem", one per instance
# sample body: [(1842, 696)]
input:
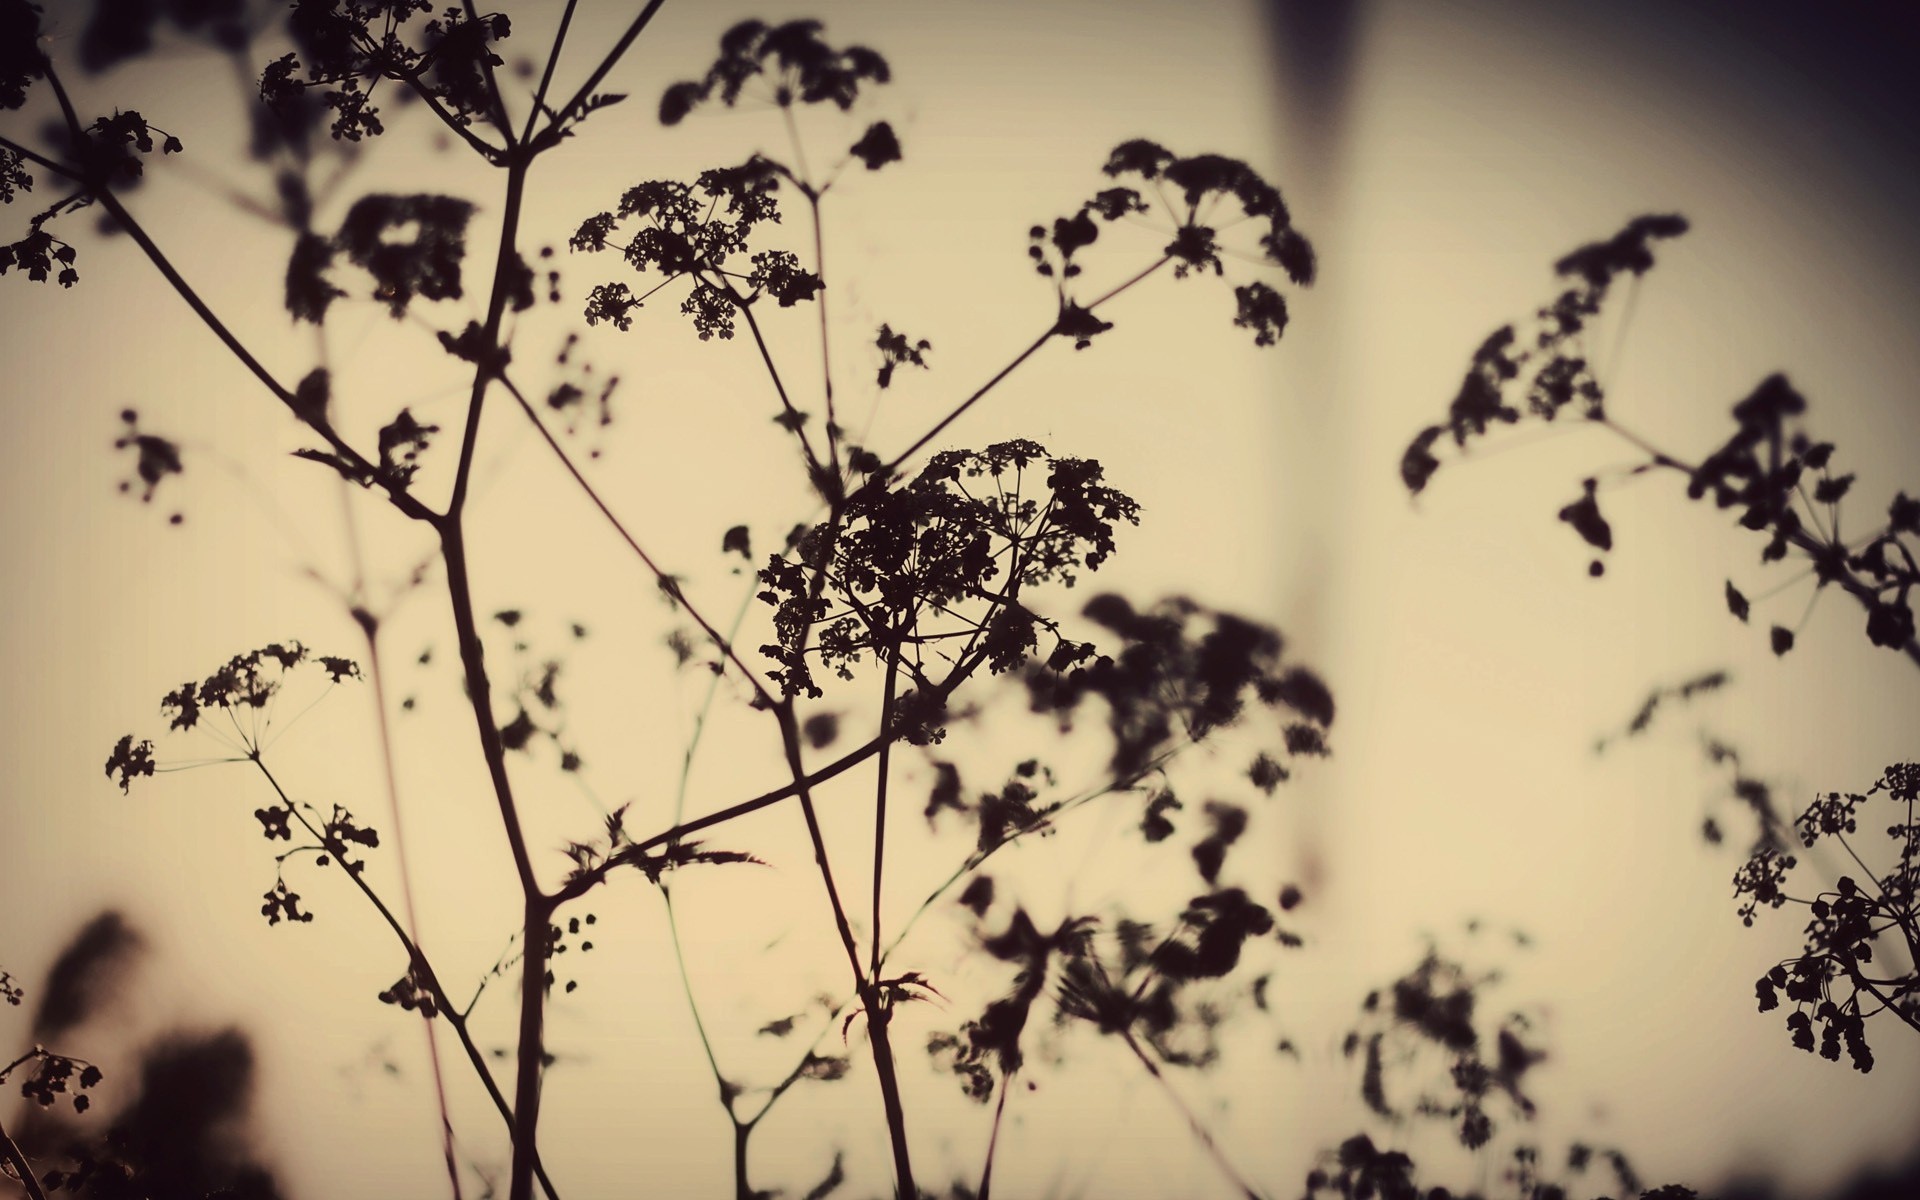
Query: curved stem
[(505, 259), (11, 1152), (398, 495), (546, 76), (790, 742), (693, 1006), (484, 149), (795, 417), (820, 302), (964, 405)]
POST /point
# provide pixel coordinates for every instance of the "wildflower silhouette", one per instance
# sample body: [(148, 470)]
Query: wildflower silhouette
[(931, 571), (1776, 475)]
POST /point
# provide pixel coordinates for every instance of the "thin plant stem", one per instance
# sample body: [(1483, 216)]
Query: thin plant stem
[(491, 153), (723, 644), (585, 881), (505, 259), (993, 1140), (1200, 1131), (728, 1091), (11, 1152), (546, 75), (376, 676), (741, 1132), (1023, 356), (401, 499), (795, 417), (880, 801), (875, 1003), (790, 740), (1862, 981), (607, 63), (538, 907), (693, 1006), (455, 1018), (826, 359), (397, 494), (41, 160), (799, 151), (496, 103)]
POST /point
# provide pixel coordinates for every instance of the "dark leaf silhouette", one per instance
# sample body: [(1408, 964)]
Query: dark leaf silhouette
[(425, 265), (897, 350), (877, 146), (1584, 515), (789, 61), (1737, 603)]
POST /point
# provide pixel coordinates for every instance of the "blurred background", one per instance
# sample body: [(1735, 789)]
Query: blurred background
[(1441, 157)]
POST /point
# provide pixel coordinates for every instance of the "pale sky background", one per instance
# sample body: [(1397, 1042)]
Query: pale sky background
[(1473, 659)]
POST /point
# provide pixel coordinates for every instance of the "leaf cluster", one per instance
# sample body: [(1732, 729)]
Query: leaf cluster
[(1548, 368), (694, 231), (347, 47), (595, 860), (1180, 669), (1434, 1005), (51, 1076), (424, 266), (797, 65), (1778, 477), (1200, 185)]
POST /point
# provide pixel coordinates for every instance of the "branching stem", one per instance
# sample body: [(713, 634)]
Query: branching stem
[(455, 1018)]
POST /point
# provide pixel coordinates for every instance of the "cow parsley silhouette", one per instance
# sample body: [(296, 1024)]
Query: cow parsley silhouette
[(1850, 967), (922, 591), (1777, 476)]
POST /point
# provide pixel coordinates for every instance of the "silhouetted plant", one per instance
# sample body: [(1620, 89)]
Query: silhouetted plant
[(1777, 475), (1783, 483), (1838, 972), (1427, 1055), (917, 581)]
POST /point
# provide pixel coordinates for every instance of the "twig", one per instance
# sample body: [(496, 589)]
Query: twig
[(599, 73), (454, 1017), (13, 1155), (872, 1000), (1200, 1131), (1007, 370), (723, 644)]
